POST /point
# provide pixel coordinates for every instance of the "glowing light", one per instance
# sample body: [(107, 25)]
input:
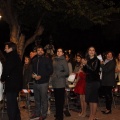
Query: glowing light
[(0, 16)]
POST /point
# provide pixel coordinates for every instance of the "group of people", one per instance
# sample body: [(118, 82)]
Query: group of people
[(40, 68), (89, 83)]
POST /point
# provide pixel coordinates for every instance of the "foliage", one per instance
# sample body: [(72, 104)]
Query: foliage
[(28, 12), (24, 16)]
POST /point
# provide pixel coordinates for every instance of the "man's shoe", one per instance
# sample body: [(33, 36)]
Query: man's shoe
[(42, 118), (107, 112), (102, 111), (34, 116)]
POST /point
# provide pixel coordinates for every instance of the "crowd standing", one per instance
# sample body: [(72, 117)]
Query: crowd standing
[(92, 75)]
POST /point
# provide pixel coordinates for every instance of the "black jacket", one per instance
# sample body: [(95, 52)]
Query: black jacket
[(42, 66), (92, 70), (108, 73), (12, 72), (27, 75)]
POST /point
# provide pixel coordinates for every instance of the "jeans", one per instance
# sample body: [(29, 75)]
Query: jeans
[(41, 99)]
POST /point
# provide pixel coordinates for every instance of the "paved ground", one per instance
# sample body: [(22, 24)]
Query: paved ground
[(74, 115), (25, 113)]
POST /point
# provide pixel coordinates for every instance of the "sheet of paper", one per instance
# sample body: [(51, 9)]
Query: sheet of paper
[(71, 77), (100, 57), (25, 91)]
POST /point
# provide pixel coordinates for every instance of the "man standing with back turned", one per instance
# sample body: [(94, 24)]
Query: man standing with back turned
[(12, 76)]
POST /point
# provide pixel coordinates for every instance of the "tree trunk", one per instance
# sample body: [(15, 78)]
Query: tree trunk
[(16, 36), (20, 46)]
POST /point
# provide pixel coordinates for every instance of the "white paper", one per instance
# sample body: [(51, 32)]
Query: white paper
[(100, 57), (25, 91), (71, 77), (31, 90)]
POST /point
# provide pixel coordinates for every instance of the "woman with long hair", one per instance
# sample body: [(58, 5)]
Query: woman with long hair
[(80, 90), (91, 68)]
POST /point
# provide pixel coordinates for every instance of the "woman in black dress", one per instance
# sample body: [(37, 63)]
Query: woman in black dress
[(92, 67)]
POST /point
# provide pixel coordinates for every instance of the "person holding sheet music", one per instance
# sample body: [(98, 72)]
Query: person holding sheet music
[(41, 70), (108, 79)]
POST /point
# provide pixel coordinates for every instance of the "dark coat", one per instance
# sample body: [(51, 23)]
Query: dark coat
[(27, 75), (61, 71), (42, 66), (12, 72), (92, 70), (108, 73)]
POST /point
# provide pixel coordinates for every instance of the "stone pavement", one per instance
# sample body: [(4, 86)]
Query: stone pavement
[(74, 115)]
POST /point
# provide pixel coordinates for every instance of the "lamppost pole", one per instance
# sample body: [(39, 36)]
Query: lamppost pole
[(0, 16)]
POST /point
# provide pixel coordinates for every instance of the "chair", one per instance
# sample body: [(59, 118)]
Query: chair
[(73, 99), (27, 96), (51, 100), (116, 93), (30, 96)]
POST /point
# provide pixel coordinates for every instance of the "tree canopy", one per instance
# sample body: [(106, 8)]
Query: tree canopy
[(37, 15)]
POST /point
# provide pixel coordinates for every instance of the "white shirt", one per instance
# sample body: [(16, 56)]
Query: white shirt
[(1, 68), (1, 85)]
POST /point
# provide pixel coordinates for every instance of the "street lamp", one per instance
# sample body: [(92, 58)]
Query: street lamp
[(0, 17)]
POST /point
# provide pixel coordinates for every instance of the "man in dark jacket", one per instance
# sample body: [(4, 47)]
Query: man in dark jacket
[(12, 76), (42, 69), (108, 79)]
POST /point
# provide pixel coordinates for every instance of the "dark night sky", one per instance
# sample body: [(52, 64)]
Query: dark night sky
[(102, 37), (4, 34)]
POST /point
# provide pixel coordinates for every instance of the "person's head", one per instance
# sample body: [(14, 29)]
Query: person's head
[(118, 57), (40, 51), (48, 55), (27, 60), (109, 55), (91, 52), (10, 46), (67, 57), (60, 52), (32, 54), (78, 58), (69, 51)]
